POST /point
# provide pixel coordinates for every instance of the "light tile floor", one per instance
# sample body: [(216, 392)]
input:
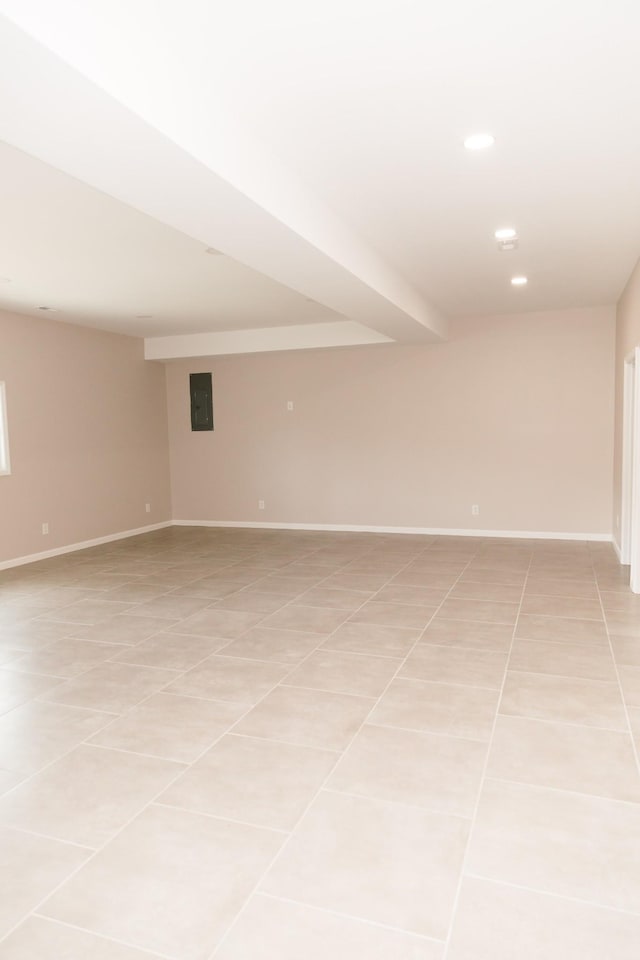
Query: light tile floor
[(250, 745)]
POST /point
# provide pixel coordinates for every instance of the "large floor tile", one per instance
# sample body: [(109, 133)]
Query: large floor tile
[(31, 868), (486, 611), (543, 586), (572, 607), (334, 597), (249, 601), (274, 929), (493, 574), (405, 615), (212, 622), (476, 668), (169, 651), (557, 629), (119, 629), (66, 658), (17, 687), (112, 687), (170, 726), (566, 757), (626, 651), (630, 683), (86, 796), (595, 703), (425, 770), (171, 882), (170, 607), (588, 661), (563, 843), (33, 635), (501, 592), (38, 732), (268, 643), (438, 708), (88, 611), (368, 582), (41, 939), (313, 718), (265, 783), (229, 678), (624, 624), (406, 593), (493, 917), (466, 633), (321, 620), (342, 672), (374, 639), (376, 861)]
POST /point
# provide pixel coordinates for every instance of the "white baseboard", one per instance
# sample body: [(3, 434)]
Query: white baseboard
[(617, 548), (58, 551), (328, 527), (432, 531)]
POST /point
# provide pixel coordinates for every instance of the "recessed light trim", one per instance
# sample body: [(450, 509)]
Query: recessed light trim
[(519, 281), (479, 141), (505, 233)]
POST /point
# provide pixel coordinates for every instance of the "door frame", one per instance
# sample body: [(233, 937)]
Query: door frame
[(630, 507)]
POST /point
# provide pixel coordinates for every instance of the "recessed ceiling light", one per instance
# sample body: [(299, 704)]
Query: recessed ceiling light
[(48, 309), (518, 281), (505, 233), (479, 141)]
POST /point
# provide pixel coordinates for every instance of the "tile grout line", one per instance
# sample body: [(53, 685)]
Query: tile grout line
[(483, 777), (594, 904), (342, 753), (166, 786), (424, 550), (351, 916), (617, 671)]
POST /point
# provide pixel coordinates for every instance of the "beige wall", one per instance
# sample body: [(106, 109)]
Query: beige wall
[(627, 337), (513, 413), (88, 435)]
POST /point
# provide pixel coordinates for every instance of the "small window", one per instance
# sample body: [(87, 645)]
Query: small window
[(5, 466)]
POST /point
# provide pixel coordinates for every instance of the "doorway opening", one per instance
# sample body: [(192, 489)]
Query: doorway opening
[(630, 514)]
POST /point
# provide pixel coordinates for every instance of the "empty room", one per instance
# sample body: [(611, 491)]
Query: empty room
[(319, 480)]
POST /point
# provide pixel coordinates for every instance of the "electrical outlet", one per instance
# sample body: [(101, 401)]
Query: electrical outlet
[(45, 529), (260, 504), (475, 510), (289, 404), (147, 507)]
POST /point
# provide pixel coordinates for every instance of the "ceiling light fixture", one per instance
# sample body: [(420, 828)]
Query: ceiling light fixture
[(479, 141), (505, 233), (518, 281)]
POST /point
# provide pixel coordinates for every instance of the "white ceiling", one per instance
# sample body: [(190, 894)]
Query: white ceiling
[(323, 144), (101, 263)]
